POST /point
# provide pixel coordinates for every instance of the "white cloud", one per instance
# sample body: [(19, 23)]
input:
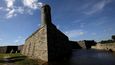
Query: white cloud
[(74, 33), (31, 3), (97, 7), (27, 8), (10, 8), (10, 3), (14, 12), (20, 10), (40, 4), (11, 13), (29, 11)]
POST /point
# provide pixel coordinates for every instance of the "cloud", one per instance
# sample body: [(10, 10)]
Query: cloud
[(74, 33), (20, 10), (96, 7), (10, 3), (11, 13), (27, 7), (29, 11), (30, 3), (10, 8), (14, 12), (33, 4)]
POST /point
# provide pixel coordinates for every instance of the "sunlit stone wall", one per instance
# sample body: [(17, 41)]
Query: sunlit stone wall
[(106, 46), (36, 45)]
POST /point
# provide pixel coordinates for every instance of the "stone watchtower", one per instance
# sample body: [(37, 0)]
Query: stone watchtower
[(47, 43)]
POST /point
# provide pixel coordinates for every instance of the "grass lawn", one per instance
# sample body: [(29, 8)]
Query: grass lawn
[(9, 55), (16, 59)]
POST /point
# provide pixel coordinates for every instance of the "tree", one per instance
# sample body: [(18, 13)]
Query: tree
[(113, 37)]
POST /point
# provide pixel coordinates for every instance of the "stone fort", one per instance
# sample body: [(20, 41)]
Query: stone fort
[(47, 43), (50, 44)]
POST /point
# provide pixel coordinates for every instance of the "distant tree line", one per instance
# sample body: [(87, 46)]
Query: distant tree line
[(109, 41)]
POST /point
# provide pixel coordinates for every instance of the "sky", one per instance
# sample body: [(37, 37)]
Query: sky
[(78, 19)]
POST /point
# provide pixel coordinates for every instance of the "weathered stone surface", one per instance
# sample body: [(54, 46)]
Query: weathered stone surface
[(36, 45), (106, 46), (47, 43)]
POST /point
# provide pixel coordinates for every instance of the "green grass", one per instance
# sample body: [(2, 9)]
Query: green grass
[(10, 55), (17, 59), (27, 62)]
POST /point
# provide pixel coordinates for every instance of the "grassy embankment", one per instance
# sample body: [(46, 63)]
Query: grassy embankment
[(16, 59)]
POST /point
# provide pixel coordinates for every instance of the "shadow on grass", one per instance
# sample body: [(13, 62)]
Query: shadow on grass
[(12, 59)]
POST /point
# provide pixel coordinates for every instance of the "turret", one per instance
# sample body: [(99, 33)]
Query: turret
[(45, 15)]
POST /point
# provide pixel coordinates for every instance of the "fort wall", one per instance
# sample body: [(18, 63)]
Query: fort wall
[(47, 43), (106, 46)]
